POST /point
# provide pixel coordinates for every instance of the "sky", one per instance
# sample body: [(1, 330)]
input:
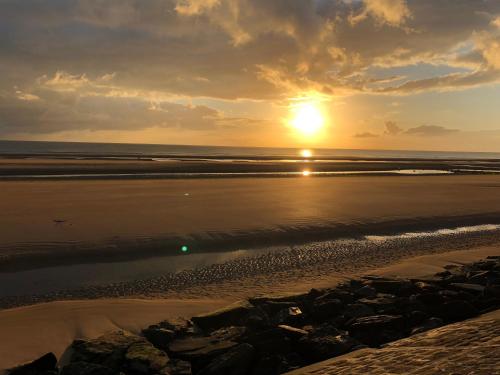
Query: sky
[(382, 74)]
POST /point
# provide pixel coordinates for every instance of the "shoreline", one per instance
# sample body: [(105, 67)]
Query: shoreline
[(31, 331), (31, 256)]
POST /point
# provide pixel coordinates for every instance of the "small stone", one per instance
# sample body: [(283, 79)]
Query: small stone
[(427, 325), (292, 332)]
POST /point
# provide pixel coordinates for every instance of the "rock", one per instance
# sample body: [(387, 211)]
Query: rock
[(326, 309), (430, 299), (274, 340), (108, 350), (336, 294), (366, 292), (427, 325), (273, 307), (485, 265), (492, 291), (178, 367), (228, 333), (144, 358), (290, 315), (255, 321), (417, 317), (85, 368), (358, 310), (237, 361), (426, 287), (396, 287), (482, 278), (292, 332), (268, 365), (287, 297), (468, 287), (380, 304), (199, 349), (318, 348), (456, 310), (235, 315), (46, 364), (377, 322), (377, 329), (159, 337)]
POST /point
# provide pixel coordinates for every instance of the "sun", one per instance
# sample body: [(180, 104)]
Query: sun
[(306, 118)]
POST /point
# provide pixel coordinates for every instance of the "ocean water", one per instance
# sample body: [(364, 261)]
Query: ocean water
[(158, 150)]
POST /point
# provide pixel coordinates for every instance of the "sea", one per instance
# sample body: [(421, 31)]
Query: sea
[(133, 150)]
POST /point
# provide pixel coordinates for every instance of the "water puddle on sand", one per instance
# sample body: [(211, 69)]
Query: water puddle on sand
[(164, 272), (226, 174)]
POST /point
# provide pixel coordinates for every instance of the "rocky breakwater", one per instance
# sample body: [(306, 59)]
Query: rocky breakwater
[(272, 335)]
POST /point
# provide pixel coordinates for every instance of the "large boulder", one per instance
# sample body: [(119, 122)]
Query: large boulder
[(44, 365), (199, 348), (143, 358), (237, 361), (233, 315), (159, 337), (116, 351), (107, 350)]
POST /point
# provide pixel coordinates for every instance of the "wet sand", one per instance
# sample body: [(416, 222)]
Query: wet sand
[(28, 332), (66, 222)]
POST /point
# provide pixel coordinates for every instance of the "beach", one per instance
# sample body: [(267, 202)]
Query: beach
[(89, 246), (31, 331)]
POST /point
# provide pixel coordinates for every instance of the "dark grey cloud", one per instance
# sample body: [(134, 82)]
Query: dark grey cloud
[(431, 131), (392, 128)]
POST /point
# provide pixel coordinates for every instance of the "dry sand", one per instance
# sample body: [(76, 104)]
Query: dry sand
[(30, 331)]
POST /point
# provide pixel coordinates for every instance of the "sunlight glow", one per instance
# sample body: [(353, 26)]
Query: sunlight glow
[(307, 118), (306, 173), (306, 153)]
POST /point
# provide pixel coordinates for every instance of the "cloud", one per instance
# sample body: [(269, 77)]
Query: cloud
[(392, 12), (365, 135), (139, 52), (392, 128), (78, 102), (430, 131)]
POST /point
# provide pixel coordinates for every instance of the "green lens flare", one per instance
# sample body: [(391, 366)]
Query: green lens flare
[(184, 248)]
